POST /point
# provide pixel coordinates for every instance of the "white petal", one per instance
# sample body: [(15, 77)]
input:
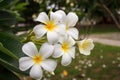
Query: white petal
[(72, 52), (42, 17), (73, 32), (46, 50), (61, 13), (30, 49), (36, 72), (71, 41), (66, 60), (60, 28), (49, 65), (88, 47), (91, 44), (55, 17), (71, 19), (52, 37), (25, 63), (57, 51), (67, 39), (63, 38), (39, 31), (84, 52)]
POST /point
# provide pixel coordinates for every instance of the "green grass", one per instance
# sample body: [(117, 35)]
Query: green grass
[(102, 64)]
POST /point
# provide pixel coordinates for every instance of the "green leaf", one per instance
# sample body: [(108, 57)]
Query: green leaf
[(21, 6), (4, 3), (13, 46), (6, 51), (12, 43), (10, 64), (10, 75), (7, 18)]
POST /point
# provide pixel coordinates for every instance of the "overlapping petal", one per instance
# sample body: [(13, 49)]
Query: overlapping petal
[(71, 19), (66, 59), (52, 37), (39, 30), (67, 39), (72, 52), (60, 28), (57, 51), (49, 65), (71, 41), (46, 50), (63, 38), (36, 72), (91, 42), (60, 12), (42, 17), (55, 17), (25, 63), (84, 52), (29, 49), (73, 32)]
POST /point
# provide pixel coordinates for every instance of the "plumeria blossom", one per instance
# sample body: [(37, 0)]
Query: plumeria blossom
[(61, 37), (37, 60), (85, 46), (51, 26), (65, 49), (70, 21)]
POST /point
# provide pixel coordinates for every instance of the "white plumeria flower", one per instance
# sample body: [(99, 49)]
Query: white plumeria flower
[(70, 21), (85, 46), (37, 60), (65, 49), (50, 26)]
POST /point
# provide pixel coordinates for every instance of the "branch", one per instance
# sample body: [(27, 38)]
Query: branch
[(110, 13)]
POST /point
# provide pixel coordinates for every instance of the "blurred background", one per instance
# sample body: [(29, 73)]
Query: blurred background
[(98, 19)]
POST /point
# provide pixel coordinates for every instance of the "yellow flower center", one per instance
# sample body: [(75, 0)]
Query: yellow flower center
[(65, 47), (85, 45), (50, 26), (67, 28), (37, 59)]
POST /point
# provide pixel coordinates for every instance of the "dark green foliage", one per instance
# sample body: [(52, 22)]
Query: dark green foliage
[(7, 18), (7, 75), (10, 52), (9, 13)]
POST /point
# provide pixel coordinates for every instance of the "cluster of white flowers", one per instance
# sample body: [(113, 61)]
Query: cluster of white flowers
[(61, 39)]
